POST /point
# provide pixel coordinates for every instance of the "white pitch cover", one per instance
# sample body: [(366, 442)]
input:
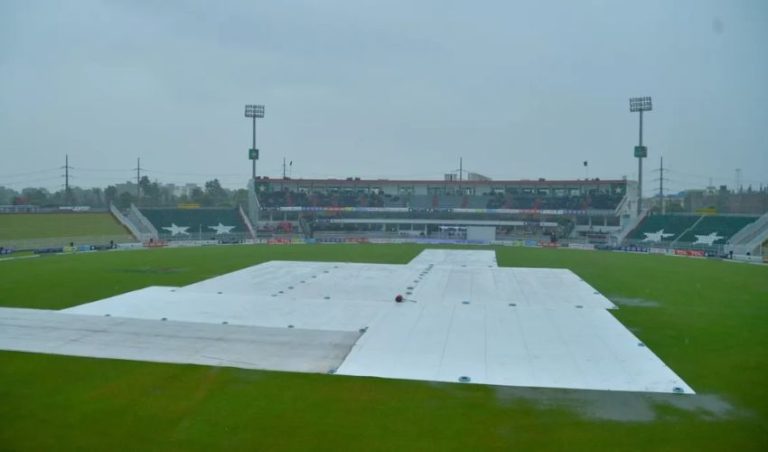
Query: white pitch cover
[(462, 318)]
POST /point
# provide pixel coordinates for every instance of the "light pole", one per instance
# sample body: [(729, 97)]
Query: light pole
[(640, 104), (254, 111)]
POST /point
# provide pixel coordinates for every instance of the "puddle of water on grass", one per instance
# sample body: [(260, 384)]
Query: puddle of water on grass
[(620, 406), (634, 302)]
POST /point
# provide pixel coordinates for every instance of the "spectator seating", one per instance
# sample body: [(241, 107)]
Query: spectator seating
[(721, 226), (667, 228), (195, 224), (285, 198), (689, 229), (600, 201)]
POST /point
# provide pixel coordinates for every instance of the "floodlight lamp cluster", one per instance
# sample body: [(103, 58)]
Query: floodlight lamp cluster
[(254, 111), (640, 104)]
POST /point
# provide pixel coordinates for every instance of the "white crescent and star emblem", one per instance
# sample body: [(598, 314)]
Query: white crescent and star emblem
[(708, 239), (221, 229), (657, 236), (182, 230), (176, 230)]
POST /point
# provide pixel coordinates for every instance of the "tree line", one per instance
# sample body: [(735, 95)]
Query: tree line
[(146, 194)]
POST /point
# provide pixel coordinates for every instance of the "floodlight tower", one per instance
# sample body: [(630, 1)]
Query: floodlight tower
[(640, 104), (254, 111)]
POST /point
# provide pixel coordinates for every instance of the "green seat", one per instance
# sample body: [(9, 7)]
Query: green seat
[(195, 224), (667, 227), (715, 229)]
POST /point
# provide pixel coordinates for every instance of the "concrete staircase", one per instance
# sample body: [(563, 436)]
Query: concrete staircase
[(141, 223), (128, 224), (751, 238)]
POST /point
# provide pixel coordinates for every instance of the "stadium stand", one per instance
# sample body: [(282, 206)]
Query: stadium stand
[(521, 208), (196, 224), (512, 199), (689, 230), (662, 228), (719, 228), (287, 198), (598, 201)]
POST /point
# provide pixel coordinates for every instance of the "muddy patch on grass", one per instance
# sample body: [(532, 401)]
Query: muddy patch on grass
[(635, 302), (621, 406)]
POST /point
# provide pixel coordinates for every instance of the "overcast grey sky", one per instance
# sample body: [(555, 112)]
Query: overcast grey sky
[(391, 89)]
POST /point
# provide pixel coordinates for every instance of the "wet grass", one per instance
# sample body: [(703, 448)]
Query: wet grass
[(707, 323), (15, 226)]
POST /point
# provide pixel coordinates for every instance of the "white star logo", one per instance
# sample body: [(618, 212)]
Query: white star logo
[(657, 236), (176, 230), (221, 229), (708, 239)]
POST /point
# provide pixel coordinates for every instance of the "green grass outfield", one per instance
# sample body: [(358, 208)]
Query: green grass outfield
[(708, 320), (17, 226)]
